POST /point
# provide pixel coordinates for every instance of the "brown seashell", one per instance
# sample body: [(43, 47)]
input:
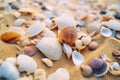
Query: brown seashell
[(86, 70), (68, 35), (116, 54), (10, 37)]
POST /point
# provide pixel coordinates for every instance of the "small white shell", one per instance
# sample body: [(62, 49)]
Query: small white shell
[(59, 74), (47, 61), (67, 50), (17, 14), (106, 32), (48, 23), (86, 40), (11, 60), (35, 29), (77, 58), (39, 16), (104, 57), (116, 66), (78, 43), (19, 22), (26, 10), (26, 63)]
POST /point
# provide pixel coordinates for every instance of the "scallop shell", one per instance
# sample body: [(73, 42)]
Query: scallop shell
[(50, 47), (116, 66), (47, 61), (19, 22), (35, 29), (77, 58), (8, 71), (112, 24), (67, 50), (11, 60), (59, 74), (26, 63), (86, 40), (106, 32), (86, 70)]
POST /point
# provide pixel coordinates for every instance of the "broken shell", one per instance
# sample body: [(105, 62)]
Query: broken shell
[(59, 74), (99, 67), (68, 35), (19, 22), (11, 60), (47, 61), (112, 24), (86, 70), (35, 29), (51, 50), (93, 45), (116, 66), (67, 50), (8, 71), (116, 54), (10, 37), (78, 43), (77, 58), (26, 11), (106, 32), (26, 63), (86, 40)]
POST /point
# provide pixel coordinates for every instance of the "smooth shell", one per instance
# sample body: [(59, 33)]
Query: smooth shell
[(86, 40), (93, 45), (116, 66), (26, 10), (106, 32), (26, 63), (19, 22), (50, 47), (86, 70), (47, 61)]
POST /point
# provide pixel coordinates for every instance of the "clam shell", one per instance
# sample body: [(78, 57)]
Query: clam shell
[(86, 40), (47, 61), (67, 50), (106, 32), (11, 60), (50, 47), (26, 63), (35, 29), (19, 22), (77, 58), (59, 74)]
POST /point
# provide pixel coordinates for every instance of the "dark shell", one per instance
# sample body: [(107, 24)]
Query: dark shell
[(116, 54)]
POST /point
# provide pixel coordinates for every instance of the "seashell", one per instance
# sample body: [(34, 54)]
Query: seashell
[(93, 45), (59, 74), (8, 71), (117, 35), (54, 51), (48, 14), (26, 11), (17, 14), (112, 24), (116, 54), (81, 34), (19, 22), (23, 78), (77, 58), (86, 70), (39, 17), (67, 50), (10, 37), (78, 43), (68, 21), (86, 40), (106, 32), (26, 63), (99, 67), (11, 60), (35, 29), (79, 48), (104, 57), (47, 61), (29, 50), (116, 66), (68, 35), (39, 74), (48, 23)]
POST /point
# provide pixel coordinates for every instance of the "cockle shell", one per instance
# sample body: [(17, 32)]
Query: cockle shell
[(106, 32), (67, 50), (47, 61), (86, 40), (50, 47), (19, 22), (112, 24), (35, 29), (8, 71), (86, 70), (11, 60), (77, 58), (26, 63), (59, 74)]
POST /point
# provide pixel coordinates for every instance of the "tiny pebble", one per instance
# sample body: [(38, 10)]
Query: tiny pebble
[(103, 12)]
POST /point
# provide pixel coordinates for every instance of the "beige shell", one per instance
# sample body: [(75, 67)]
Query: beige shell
[(86, 70), (26, 10), (78, 43), (50, 47), (19, 22), (93, 45), (35, 29), (47, 61), (86, 40)]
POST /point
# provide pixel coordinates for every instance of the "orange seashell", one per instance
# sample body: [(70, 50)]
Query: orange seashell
[(80, 47), (10, 37), (68, 35)]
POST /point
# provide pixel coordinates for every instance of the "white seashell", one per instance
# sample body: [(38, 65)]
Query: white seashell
[(65, 20), (78, 43), (48, 14), (19, 22), (59, 74), (117, 35), (39, 74), (86, 40), (23, 78), (104, 57), (116, 66), (50, 47), (106, 32), (48, 23), (26, 63), (26, 10), (39, 16), (35, 29), (11, 60), (77, 58), (67, 50), (81, 34), (17, 30), (112, 24), (17, 14), (47, 61)]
